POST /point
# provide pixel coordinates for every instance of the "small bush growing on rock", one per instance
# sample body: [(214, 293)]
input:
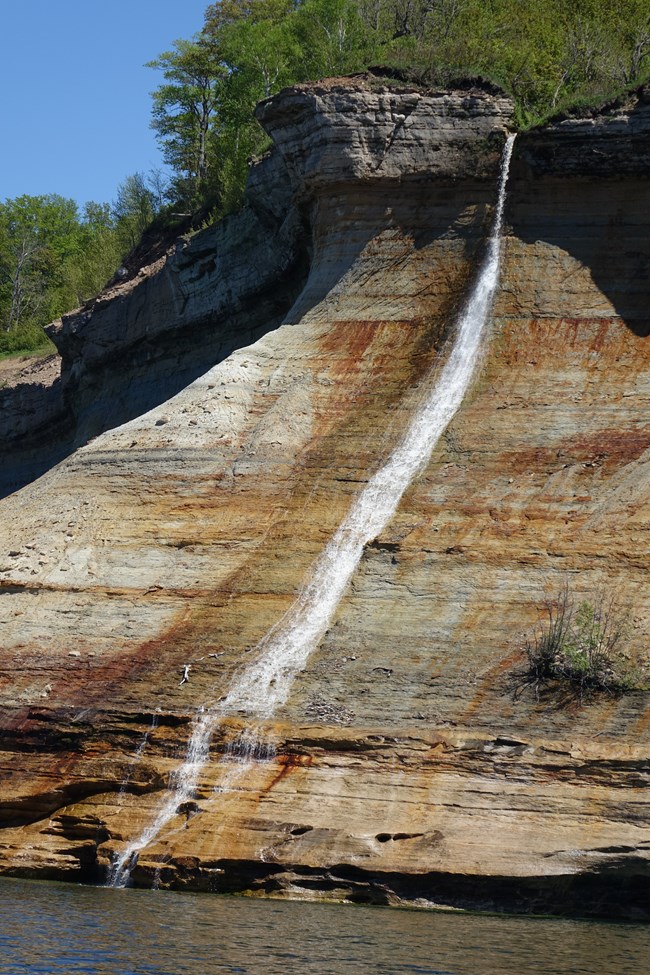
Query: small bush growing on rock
[(580, 648)]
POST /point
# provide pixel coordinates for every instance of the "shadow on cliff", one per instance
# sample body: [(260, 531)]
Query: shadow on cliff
[(154, 369), (380, 233), (139, 378), (588, 194), (350, 238), (35, 431)]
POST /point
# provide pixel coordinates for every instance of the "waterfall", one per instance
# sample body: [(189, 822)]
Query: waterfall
[(137, 755), (182, 788), (283, 652)]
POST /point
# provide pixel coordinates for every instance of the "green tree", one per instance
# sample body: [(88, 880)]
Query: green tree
[(628, 30), (100, 252), (258, 53), (133, 210), (227, 12), (39, 235), (333, 38), (52, 258), (184, 107)]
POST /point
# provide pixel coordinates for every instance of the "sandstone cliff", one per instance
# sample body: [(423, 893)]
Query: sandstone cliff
[(404, 769)]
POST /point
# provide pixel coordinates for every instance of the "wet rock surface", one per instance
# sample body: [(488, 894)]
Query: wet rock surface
[(402, 768)]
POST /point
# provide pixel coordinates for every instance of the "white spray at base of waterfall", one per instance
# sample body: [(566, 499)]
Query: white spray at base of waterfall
[(283, 652)]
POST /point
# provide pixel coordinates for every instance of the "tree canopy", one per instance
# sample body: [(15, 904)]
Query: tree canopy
[(54, 257), (546, 53)]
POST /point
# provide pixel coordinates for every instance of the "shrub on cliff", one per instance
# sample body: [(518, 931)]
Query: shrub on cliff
[(581, 648)]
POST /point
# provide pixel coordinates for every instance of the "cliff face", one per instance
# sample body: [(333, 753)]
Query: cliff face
[(404, 767), (35, 426)]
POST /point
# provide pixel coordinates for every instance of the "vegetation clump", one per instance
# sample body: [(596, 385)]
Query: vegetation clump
[(580, 651)]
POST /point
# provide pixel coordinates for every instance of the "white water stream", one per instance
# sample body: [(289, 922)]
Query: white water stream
[(284, 650)]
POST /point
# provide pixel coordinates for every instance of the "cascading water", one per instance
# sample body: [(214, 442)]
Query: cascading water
[(139, 752), (285, 649), (182, 788)]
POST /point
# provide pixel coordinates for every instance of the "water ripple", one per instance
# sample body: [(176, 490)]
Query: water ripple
[(60, 929)]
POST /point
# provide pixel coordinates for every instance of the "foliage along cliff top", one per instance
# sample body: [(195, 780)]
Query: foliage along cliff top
[(547, 55)]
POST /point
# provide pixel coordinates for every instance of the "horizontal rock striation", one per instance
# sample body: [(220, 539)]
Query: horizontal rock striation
[(142, 341), (408, 764), (334, 131), (35, 426), (609, 143)]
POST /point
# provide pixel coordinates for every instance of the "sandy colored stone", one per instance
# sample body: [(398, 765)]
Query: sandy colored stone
[(405, 768)]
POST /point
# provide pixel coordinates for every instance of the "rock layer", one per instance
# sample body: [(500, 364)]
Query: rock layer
[(404, 768), (35, 426)]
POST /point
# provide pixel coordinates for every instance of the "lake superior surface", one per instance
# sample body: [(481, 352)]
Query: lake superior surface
[(68, 930)]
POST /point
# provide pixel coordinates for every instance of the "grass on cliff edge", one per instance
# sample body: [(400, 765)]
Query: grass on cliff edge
[(581, 651)]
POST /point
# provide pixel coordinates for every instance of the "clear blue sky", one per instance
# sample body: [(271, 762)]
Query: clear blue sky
[(76, 102)]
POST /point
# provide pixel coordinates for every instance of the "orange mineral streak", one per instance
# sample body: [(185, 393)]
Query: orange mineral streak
[(287, 765)]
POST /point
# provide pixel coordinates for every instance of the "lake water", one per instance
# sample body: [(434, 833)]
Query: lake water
[(68, 930)]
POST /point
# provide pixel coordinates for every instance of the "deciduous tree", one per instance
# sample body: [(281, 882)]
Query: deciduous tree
[(184, 107)]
